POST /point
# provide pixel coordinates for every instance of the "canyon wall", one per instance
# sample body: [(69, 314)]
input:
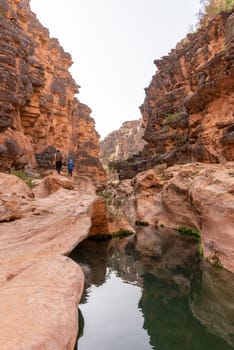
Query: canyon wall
[(38, 109), (123, 143), (188, 107)]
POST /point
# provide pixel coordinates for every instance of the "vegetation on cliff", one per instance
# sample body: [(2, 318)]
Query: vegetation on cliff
[(210, 8)]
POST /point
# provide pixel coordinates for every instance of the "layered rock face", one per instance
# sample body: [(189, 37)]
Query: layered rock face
[(37, 106), (85, 145), (188, 108), (123, 143)]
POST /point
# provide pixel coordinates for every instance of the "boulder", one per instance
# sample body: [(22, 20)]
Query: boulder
[(15, 197)]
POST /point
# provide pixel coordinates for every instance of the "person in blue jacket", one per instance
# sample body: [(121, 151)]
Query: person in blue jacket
[(70, 167)]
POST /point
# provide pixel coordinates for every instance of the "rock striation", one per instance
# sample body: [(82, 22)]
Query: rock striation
[(122, 143), (38, 109), (188, 108)]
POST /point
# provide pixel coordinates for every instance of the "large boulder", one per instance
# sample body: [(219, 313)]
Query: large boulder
[(51, 184), (202, 196), (196, 195)]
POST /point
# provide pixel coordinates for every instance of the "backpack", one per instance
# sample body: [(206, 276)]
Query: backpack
[(59, 156), (70, 165)]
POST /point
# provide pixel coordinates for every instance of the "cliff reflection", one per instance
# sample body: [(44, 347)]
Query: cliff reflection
[(177, 299)]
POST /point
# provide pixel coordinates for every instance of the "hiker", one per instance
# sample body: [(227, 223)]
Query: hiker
[(70, 166), (58, 161)]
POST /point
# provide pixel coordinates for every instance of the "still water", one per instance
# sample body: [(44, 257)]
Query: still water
[(135, 300)]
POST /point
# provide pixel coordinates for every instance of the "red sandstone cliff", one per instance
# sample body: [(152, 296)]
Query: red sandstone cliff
[(188, 107), (123, 143), (38, 110)]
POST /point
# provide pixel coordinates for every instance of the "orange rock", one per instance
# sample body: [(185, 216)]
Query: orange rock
[(189, 95), (38, 109), (188, 108)]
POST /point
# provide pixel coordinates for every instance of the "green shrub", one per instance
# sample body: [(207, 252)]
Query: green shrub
[(171, 118), (215, 261), (108, 236), (187, 231), (141, 223), (200, 250), (23, 176), (122, 233), (106, 196), (229, 4), (210, 8), (100, 237), (20, 173)]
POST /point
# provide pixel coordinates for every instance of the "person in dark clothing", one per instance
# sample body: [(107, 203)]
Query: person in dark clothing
[(70, 167), (58, 161)]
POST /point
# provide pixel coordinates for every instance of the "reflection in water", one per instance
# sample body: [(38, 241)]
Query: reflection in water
[(137, 299), (112, 318), (170, 322), (212, 302)]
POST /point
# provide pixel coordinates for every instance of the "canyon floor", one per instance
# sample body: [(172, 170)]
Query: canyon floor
[(40, 287)]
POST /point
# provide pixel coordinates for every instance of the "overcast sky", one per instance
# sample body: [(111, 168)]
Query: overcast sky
[(113, 44)]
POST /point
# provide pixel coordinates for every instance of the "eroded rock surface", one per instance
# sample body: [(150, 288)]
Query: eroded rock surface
[(194, 195)]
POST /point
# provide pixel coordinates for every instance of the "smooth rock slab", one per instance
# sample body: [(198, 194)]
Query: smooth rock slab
[(49, 290), (39, 287)]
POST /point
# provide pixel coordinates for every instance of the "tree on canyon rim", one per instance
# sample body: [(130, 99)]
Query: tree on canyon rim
[(210, 8)]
